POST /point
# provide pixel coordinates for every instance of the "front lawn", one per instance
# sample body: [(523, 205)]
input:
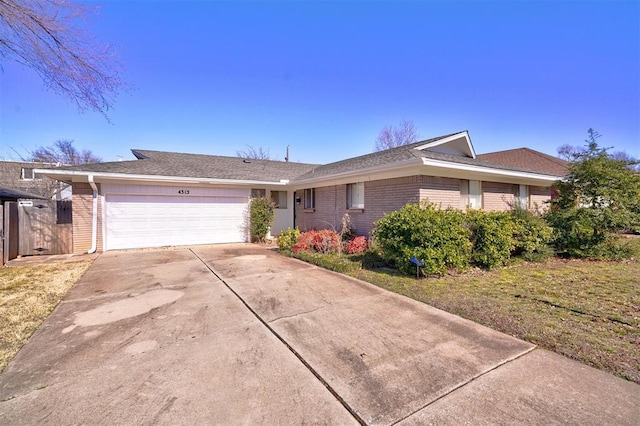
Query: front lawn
[(28, 294), (586, 310)]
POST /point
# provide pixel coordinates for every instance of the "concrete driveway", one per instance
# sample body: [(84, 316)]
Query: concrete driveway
[(236, 334)]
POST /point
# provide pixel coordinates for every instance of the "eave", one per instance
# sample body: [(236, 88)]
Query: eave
[(99, 177)]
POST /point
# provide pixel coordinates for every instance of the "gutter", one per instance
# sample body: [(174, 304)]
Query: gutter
[(489, 170), (94, 223), (62, 174)]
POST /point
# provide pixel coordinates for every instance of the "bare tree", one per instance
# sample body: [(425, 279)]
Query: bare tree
[(63, 152), (48, 36), (252, 152), (391, 137), (632, 162)]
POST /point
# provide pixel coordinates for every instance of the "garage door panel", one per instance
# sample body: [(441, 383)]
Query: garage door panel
[(136, 221)]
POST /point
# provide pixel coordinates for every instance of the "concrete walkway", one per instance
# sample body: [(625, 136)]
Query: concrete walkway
[(236, 334)]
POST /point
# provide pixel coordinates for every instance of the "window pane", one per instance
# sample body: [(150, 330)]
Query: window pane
[(355, 195), (475, 194), (279, 198), (309, 198), (258, 193), (27, 173)]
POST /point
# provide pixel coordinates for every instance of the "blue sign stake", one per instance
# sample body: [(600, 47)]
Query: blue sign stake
[(418, 264)]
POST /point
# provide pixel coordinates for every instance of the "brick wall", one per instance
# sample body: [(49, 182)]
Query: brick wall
[(538, 196), (497, 196), (442, 191), (82, 217), (380, 197), (388, 195)]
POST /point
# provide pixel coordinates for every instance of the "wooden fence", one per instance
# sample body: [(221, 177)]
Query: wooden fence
[(31, 227), (45, 227), (9, 227)]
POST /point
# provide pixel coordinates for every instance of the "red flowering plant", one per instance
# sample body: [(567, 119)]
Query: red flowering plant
[(357, 245)]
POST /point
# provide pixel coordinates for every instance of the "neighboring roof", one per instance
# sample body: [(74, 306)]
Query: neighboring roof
[(159, 163), (526, 158), (16, 193)]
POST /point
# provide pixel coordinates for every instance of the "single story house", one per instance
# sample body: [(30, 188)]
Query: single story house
[(166, 198)]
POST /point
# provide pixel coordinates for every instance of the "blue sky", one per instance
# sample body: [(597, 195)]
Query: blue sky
[(324, 77)]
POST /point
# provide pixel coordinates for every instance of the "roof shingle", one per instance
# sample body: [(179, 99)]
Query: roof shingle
[(527, 158), (159, 163)]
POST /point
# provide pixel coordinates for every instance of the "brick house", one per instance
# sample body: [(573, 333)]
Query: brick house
[(443, 170), (165, 198)]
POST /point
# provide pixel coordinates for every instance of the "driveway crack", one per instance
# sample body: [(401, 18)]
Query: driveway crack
[(296, 314)]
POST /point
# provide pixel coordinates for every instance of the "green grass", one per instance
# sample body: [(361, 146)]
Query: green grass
[(586, 310)]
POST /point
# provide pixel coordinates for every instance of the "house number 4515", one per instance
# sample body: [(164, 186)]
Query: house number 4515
[(183, 191)]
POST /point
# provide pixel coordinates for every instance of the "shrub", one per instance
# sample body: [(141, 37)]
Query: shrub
[(532, 236), (305, 242), (575, 234), (324, 241), (288, 238), (261, 213), (327, 241), (439, 238), (357, 245), (492, 238)]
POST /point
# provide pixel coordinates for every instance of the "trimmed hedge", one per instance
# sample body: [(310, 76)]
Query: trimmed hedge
[(439, 238), (453, 240)]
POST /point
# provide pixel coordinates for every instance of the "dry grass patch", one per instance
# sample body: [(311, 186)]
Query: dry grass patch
[(28, 294)]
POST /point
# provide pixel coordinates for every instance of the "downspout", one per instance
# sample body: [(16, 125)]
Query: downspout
[(94, 223)]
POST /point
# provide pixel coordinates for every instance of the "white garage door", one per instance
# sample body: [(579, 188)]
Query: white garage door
[(136, 221)]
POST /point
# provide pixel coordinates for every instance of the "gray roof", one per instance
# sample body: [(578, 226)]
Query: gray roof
[(404, 153), (160, 163), (13, 193)]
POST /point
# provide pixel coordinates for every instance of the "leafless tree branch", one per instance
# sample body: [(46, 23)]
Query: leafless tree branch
[(48, 36), (252, 152), (391, 137), (63, 152)]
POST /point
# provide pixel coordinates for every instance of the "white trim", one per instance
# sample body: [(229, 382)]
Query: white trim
[(159, 178), (451, 138), (94, 216), (488, 170), (104, 222)]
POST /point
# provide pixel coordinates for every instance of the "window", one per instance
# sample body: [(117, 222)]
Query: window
[(27, 174), (355, 195), (279, 198), (309, 198), (258, 193), (522, 196), (475, 194)]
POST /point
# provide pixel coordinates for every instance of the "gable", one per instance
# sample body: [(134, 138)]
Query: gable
[(458, 145)]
